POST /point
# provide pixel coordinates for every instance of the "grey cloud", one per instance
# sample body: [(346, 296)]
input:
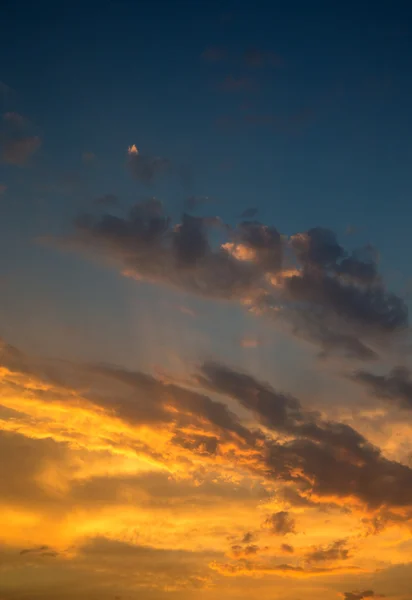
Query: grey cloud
[(395, 387), (325, 458), (287, 548), (280, 523), (336, 551), (336, 300), (357, 595)]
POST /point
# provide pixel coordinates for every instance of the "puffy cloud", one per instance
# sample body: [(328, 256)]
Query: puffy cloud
[(333, 298)]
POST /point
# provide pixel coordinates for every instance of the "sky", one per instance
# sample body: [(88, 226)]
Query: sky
[(205, 277)]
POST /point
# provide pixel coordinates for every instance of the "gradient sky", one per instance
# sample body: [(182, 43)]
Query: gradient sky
[(205, 277)]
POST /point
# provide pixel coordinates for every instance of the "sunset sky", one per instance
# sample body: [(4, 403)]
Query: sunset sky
[(205, 348)]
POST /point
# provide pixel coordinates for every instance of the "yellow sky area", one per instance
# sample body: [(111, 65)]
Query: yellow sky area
[(90, 483)]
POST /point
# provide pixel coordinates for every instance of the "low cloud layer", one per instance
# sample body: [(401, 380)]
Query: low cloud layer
[(135, 477)]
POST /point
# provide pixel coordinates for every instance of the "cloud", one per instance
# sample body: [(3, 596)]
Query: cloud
[(255, 569), (333, 552), (3, 188), (287, 548), (357, 595), (330, 459), (146, 169), (334, 299), (280, 523), (395, 387), (41, 550), (110, 468), (17, 143), (325, 460)]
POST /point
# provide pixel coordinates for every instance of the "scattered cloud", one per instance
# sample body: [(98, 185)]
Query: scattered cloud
[(333, 552), (280, 523)]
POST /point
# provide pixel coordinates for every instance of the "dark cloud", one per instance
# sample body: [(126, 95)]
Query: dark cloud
[(395, 387), (357, 595), (325, 458), (145, 168), (17, 139), (336, 551), (244, 551), (147, 245), (40, 551), (248, 537), (190, 240), (335, 299), (194, 202), (287, 548), (280, 523)]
